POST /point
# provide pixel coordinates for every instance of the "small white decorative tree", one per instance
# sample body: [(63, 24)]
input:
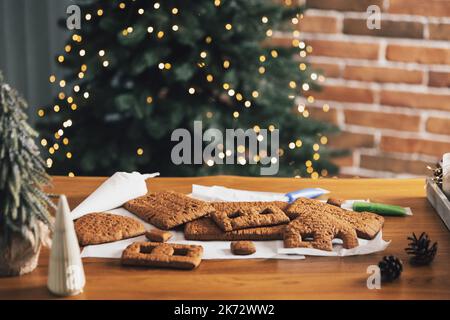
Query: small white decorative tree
[(24, 216)]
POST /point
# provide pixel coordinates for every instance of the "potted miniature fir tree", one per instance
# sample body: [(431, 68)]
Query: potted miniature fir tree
[(24, 216)]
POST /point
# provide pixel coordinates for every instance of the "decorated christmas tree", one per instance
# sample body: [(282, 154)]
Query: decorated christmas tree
[(24, 215), (139, 69)]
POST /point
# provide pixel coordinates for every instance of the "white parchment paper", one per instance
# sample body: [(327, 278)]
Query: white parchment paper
[(213, 249)]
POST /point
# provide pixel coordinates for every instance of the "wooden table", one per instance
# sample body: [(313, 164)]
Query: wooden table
[(313, 278)]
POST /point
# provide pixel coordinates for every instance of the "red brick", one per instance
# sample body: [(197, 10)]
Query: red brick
[(343, 5), (435, 8), (439, 79), (346, 161), (439, 125), (345, 94), (381, 74), (318, 114), (352, 140), (330, 70), (386, 163), (426, 55), (439, 31), (389, 28), (344, 49), (382, 120), (320, 24), (416, 100), (408, 145)]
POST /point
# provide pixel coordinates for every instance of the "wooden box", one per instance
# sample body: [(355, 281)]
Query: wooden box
[(439, 201)]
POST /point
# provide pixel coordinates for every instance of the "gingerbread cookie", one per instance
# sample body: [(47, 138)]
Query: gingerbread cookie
[(229, 207), (205, 229), (242, 248), (367, 224), (96, 228), (321, 229), (335, 202), (157, 235), (249, 216), (163, 255), (168, 209)]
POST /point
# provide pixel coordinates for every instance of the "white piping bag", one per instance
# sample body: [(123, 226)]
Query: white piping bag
[(114, 192)]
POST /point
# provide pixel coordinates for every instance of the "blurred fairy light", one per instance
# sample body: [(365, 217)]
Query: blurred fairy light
[(231, 92)]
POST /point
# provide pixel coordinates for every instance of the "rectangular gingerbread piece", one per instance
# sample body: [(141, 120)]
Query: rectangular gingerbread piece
[(162, 255), (156, 235), (205, 229), (167, 209), (247, 215)]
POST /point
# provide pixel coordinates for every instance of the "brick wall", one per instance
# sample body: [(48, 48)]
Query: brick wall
[(388, 89)]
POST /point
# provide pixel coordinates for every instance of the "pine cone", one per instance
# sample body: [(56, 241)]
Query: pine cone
[(391, 268), (420, 250)]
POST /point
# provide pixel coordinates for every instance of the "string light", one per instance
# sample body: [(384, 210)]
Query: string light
[(305, 49)]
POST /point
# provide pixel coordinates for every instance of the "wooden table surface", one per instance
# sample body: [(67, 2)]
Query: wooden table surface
[(312, 278)]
